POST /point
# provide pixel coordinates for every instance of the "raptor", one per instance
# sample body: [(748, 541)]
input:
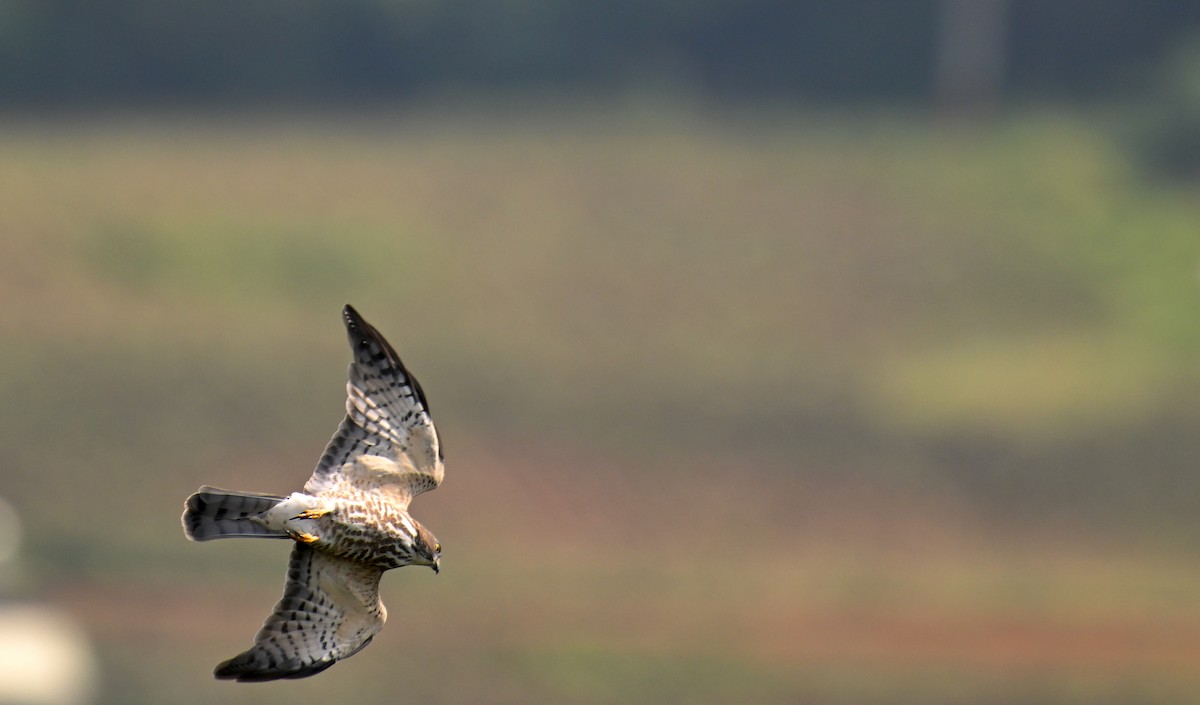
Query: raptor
[(348, 525)]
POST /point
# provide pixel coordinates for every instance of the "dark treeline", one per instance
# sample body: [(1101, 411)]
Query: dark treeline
[(70, 52)]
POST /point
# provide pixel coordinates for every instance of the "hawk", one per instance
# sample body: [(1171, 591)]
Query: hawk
[(349, 525)]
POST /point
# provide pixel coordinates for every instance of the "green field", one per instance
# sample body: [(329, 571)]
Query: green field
[(736, 407)]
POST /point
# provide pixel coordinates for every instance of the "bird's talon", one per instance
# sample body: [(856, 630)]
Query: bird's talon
[(303, 537)]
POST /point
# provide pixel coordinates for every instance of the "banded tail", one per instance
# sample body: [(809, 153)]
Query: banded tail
[(213, 513)]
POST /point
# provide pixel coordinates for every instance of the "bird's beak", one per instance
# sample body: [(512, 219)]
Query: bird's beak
[(437, 565)]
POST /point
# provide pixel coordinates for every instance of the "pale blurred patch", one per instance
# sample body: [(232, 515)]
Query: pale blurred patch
[(45, 658)]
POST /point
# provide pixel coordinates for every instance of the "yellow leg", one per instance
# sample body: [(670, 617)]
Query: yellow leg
[(312, 514)]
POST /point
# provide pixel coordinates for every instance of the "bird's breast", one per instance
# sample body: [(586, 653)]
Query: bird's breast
[(369, 533)]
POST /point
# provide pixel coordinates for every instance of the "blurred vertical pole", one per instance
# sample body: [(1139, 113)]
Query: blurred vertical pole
[(971, 58)]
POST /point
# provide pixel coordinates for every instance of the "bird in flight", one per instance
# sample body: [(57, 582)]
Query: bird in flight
[(349, 525)]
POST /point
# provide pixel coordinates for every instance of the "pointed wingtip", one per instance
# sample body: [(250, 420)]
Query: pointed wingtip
[(246, 668), (357, 329)]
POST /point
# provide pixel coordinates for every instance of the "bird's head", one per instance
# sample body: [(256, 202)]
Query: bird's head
[(428, 550)]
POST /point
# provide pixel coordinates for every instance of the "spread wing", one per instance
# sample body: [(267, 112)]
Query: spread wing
[(387, 426), (330, 609)]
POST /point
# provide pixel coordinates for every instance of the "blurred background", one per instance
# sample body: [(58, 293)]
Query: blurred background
[(783, 351)]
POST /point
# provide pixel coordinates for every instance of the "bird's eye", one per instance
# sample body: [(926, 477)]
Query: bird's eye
[(437, 548)]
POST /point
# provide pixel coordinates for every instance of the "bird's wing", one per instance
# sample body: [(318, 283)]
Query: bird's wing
[(330, 609), (387, 435)]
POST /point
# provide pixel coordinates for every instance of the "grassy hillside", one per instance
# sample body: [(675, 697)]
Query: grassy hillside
[(844, 411)]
